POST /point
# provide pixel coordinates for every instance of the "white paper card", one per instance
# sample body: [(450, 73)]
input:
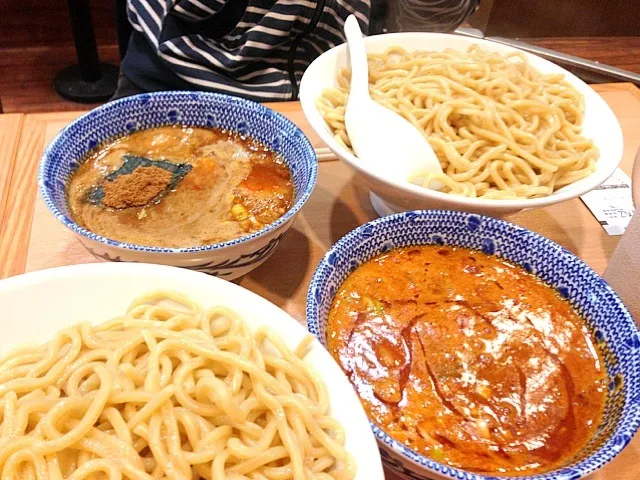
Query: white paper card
[(611, 203)]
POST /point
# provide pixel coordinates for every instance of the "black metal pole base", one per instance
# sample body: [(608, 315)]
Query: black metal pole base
[(70, 85)]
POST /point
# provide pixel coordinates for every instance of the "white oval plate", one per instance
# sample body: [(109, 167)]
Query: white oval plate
[(36, 305)]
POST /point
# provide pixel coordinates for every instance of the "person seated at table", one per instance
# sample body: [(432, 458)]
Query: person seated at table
[(257, 49)]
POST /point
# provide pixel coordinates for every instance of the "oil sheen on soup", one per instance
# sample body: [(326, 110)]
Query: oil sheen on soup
[(468, 359), (180, 187)]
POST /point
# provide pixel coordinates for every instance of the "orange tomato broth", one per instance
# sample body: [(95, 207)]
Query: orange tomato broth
[(468, 359)]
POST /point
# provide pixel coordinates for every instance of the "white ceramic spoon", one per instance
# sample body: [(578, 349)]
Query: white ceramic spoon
[(390, 145)]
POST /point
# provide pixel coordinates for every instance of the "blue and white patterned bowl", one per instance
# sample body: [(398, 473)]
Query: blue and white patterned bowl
[(615, 331), (227, 259)]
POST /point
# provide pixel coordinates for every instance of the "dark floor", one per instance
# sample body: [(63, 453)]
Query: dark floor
[(34, 47), (26, 77), (26, 74)]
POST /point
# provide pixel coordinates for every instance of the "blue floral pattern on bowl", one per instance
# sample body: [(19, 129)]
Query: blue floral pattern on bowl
[(61, 158), (589, 294), (224, 268)]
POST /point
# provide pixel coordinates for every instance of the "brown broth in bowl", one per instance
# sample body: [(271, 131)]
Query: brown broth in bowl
[(234, 186), (468, 359)]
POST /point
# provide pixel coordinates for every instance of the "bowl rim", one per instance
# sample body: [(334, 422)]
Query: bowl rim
[(567, 192), (215, 97), (606, 455)]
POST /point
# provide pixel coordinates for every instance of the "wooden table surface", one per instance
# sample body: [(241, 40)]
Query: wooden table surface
[(10, 129), (32, 239)]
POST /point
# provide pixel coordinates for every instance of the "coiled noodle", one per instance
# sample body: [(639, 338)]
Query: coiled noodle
[(167, 391), (500, 128)]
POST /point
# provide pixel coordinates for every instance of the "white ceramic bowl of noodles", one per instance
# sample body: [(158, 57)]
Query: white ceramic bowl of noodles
[(37, 305), (599, 123)]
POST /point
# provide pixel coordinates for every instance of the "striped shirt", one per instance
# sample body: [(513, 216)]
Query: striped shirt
[(257, 49)]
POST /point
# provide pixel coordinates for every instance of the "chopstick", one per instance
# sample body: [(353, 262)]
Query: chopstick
[(324, 154)]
